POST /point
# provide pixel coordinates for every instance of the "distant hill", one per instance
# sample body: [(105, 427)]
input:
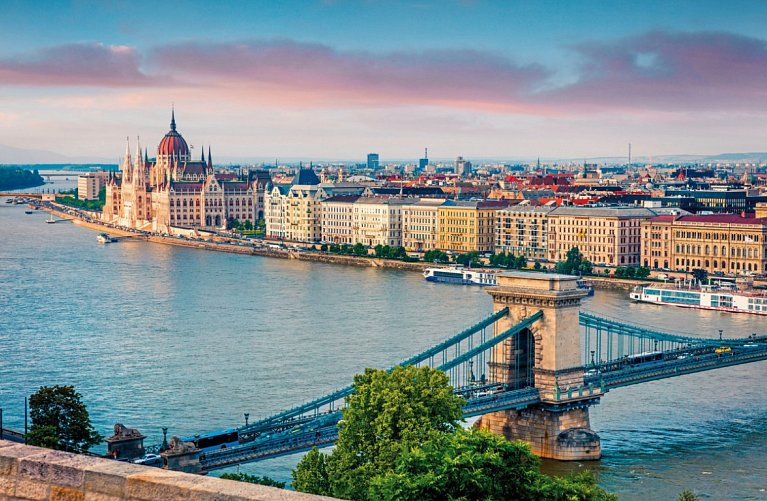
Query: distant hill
[(21, 156)]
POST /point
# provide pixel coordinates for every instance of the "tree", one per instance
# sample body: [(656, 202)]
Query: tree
[(520, 262), (687, 495), (477, 465), (60, 420), (247, 225), (436, 256), (642, 272), (389, 412), (253, 479), (311, 474), (324, 247), (360, 250), (700, 275), (574, 263)]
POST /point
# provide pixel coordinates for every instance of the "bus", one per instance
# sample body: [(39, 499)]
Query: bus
[(644, 358), (215, 440)]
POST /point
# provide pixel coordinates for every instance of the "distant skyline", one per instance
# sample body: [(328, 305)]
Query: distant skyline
[(339, 79)]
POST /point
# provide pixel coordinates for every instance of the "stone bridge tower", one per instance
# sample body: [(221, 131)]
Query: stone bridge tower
[(544, 357)]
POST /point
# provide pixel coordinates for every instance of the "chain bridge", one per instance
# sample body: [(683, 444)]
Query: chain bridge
[(529, 371)]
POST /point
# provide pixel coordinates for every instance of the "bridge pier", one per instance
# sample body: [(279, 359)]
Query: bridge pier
[(544, 357)]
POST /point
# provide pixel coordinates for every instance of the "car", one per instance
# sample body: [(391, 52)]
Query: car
[(591, 373), (750, 345), (150, 460), (723, 349), (684, 356)]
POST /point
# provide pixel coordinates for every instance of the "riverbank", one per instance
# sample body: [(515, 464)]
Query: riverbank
[(236, 247)]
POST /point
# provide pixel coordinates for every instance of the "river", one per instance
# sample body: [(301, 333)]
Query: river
[(154, 335)]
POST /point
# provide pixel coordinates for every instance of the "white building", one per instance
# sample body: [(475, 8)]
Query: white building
[(420, 224), (337, 218), (378, 221), (89, 185)]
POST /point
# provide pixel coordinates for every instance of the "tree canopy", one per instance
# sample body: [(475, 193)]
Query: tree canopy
[(574, 264), (60, 420), (399, 440)]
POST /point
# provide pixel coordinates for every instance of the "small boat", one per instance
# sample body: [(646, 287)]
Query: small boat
[(29, 212), (586, 286), (50, 220), (459, 275), (104, 238), (10, 200)]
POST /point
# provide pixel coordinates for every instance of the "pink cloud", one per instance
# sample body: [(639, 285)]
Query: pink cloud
[(317, 74), (82, 64), (668, 71)]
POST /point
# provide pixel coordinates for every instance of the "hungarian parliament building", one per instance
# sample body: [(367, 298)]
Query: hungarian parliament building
[(173, 190)]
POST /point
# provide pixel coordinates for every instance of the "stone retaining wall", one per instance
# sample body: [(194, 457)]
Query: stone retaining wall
[(34, 474)]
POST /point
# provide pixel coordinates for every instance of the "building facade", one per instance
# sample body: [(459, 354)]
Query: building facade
[(717, 243), (608, 236), (419, 225), (294, 212), (89, 185), (466, 226), (522, 230), (172, 190), (378, 221), (337, 219)]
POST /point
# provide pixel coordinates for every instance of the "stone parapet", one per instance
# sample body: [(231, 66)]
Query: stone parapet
[(35, 474)]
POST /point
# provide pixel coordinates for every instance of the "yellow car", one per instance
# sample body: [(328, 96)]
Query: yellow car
[(723, 349)]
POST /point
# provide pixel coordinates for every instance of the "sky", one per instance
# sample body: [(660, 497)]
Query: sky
[(327, 79)]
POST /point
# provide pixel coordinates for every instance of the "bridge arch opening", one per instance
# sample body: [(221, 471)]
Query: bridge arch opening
[(522, 360)]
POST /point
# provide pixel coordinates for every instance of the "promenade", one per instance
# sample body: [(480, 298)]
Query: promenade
[(227, 244)]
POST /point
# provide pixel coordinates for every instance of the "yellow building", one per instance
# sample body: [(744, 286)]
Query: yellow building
[(717, 243), (465, 226), (604, 235)]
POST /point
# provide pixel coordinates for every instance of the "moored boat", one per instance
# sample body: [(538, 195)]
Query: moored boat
[(104, 238), (707, 297), (460, 275)]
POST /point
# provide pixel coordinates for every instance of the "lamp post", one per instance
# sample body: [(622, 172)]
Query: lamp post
[(247, 415)]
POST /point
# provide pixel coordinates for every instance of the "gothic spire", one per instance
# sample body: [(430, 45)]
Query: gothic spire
[(210, 161), (173, 118), (202, 154)]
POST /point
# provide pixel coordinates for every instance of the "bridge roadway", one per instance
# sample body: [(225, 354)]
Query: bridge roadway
[(298, 435)]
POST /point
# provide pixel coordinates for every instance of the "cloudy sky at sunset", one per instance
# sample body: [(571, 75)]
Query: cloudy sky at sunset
[(337, 79)]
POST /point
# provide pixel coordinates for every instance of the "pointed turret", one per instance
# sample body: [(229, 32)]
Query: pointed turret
[(173, 119), (210, 161), (127, 164), (202, 154), (139, 175)]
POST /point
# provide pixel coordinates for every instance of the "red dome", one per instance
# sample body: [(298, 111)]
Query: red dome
[(173, 143)]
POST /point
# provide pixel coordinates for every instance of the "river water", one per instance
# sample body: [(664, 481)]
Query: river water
[(154, 335)]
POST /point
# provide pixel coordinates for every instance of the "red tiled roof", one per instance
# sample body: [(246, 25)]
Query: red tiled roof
[(713, 219)]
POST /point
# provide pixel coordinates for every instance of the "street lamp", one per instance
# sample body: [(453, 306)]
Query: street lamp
[(592, 357), (720, 334), (247, 415)]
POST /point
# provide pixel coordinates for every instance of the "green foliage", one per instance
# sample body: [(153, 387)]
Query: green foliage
[(311, 474), (537, 266), (398, 440), (389, 412), (574, 264), (436, 256), (253, 479), (470, 259), (324, 247), (360, 250), (508, 260), (60, 420), (700, 275), (92, 205), (388, 252), (12, 178), (632, 272), (687, 495)]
